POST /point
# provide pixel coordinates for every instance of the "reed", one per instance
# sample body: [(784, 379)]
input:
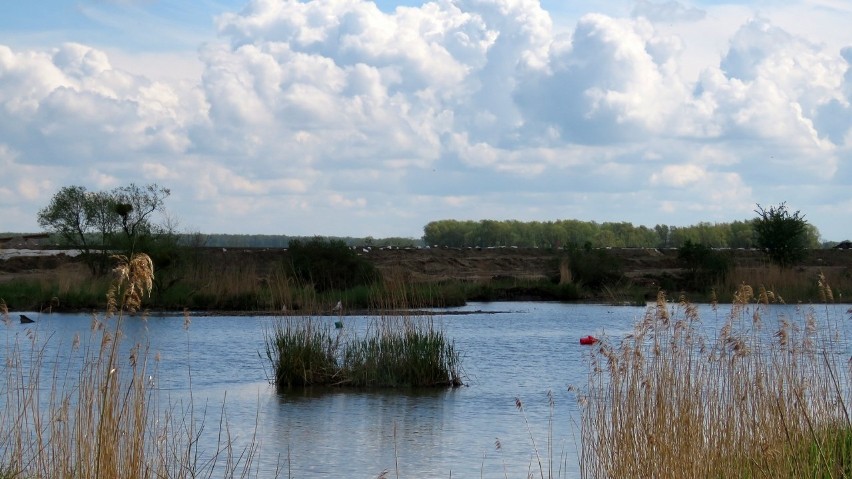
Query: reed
[(791, 284), (303, 352), (64, 288), (95, 413), (748, 399), (396, 349), (401, 351)]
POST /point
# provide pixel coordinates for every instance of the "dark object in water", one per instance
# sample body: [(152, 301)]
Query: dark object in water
[(338, 324), (588, 340), (25, 319)]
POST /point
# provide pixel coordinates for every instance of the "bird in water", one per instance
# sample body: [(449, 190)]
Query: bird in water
[(25, 319)]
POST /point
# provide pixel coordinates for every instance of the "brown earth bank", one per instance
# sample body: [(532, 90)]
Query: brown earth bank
[(640, 265)]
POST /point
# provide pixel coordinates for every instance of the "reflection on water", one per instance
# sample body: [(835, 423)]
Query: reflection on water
[(525, 350)]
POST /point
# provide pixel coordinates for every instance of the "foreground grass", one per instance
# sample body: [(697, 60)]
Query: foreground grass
[(103, 418), (751, 399)]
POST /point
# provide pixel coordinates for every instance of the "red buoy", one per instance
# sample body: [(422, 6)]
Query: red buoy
[(588, 340)]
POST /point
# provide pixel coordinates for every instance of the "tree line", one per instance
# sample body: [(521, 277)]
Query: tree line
[(133, 218), (578, 234)]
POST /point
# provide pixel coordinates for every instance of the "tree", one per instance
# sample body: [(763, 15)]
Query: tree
[(135, 205), (93, 222), (784, 236), (69, 216)]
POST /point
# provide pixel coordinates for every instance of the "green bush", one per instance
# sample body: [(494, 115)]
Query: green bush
[(595, 268), (704, 265), (329, 265)]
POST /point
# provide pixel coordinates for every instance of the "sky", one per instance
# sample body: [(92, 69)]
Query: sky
[(362, 118)]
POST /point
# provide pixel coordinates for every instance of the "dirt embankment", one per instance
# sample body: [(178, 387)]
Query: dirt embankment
[(641, 265)]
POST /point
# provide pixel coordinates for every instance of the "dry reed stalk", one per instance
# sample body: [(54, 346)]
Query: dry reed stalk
[(565, 276), (103, 417), (673, 401)]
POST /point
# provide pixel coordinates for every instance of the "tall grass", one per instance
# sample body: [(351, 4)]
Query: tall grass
[(96, 413), (401, 351), (63, 288), (393, 352), (766, 396), (789, 283)]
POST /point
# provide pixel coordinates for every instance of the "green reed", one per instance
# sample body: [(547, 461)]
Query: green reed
[(303, 352), (401, 352), (392, 352)]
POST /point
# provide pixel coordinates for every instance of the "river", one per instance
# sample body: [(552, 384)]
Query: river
[(528, 351)]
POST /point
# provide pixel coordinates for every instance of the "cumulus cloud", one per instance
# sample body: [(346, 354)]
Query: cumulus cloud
[(671, 11), (70, 106), (317, 107), (614, 81)]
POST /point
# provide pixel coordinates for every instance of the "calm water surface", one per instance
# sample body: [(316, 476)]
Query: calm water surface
[(523, 350)]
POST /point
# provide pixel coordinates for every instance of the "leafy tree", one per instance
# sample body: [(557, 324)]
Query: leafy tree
[(783, 235), (741, 234), (98, 223), (135, 205), (69, 215)]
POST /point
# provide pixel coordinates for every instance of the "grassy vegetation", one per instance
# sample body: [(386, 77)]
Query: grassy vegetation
[(272, 282), (394, 352), (96, 412), (747, 398)]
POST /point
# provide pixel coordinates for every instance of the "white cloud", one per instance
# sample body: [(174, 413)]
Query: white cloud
[(385, 121), (667, 11), (679, 176)]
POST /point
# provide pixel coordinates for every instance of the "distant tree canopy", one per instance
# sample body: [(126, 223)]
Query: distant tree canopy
[(220, 240), (575, 233)]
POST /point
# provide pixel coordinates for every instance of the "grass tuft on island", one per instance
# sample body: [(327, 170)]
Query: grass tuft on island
[(393, 352)]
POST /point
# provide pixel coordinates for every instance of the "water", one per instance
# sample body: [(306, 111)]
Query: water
[(510, 350)]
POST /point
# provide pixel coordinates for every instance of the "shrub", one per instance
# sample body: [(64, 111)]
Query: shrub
[(594, 268), (783, 235), (329, 265), (703, 264)]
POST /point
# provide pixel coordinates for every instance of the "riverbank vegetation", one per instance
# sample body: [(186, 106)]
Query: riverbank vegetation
[(312, 275), (745, 393), (282, 282), (96, 413)]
